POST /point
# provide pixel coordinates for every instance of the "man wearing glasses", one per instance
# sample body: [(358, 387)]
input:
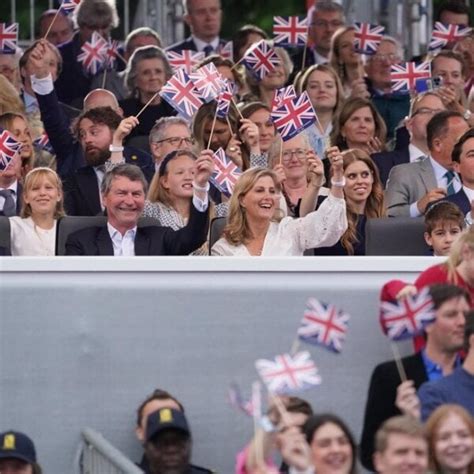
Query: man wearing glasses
[(167, 135), (324, 18), (422, 108)]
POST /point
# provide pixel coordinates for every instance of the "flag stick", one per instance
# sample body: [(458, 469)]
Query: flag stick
[(237, 63), (235, 105), (52, 23), (258, 432), (295, 346), (105, 74), (281, 150), (212, 130), (121, 57), (229, 125), (147, 104), (398, 362), (281, 409), (303, 62)]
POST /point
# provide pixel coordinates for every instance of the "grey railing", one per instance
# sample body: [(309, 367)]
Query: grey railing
[(98, 456)]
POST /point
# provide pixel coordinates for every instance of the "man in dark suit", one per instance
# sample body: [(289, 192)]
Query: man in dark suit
[(204, 18), (123, 191), (463, 159), (10, 188), (73, 83), (438, 358), (325, 17), (423, 107), (96, 130), (69, 154)]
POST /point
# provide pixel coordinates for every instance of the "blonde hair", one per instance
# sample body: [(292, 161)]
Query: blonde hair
[(433, 425), (237, 230), (455, 255), (35, 176), (9, 98)]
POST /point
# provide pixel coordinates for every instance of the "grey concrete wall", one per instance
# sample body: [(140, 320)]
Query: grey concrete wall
[(83, 341)]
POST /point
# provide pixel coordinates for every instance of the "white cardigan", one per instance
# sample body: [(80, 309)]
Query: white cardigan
[(27, 239)]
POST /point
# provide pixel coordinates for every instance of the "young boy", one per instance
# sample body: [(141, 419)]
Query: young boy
[(444, 221)]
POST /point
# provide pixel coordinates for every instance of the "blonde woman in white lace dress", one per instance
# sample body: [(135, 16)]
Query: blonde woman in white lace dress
[(254, 227)]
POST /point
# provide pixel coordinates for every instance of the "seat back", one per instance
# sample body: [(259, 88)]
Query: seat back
[(395, 236), (215, 232), (5, 233)]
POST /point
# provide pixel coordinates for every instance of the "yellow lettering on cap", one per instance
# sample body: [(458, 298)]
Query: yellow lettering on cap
[(165, 415), (9, 441)]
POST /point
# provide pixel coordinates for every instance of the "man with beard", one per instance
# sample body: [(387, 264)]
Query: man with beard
[(168, 444), (95, 131)]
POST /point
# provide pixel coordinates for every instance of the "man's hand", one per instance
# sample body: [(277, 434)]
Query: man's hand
[(316, 171), (280, 171), (407, 400), (432, 196), (124, 129), (359, 89), (38, 61), (233, 151)]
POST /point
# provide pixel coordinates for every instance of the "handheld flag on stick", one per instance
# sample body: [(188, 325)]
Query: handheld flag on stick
[(290, 30), (185, 60), (367, 37), (69, 6), (224, 99), (43, 143), (226, 173), (288, 374), (404, 76), (407, 318), (8, 38), (282, 95), (442, 35), (93, 54), (324, 325), (260, 59), (9, 147), (294, 116), (181, 94), (208, 81), (226, 51)]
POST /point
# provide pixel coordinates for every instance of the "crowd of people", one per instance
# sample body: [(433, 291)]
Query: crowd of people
[(118, 149), (372, 153)]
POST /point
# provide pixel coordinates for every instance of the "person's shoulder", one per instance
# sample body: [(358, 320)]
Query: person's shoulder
[(390, 366), (87, 233), (179, 46)]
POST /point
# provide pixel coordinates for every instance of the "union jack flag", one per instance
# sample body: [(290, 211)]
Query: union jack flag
[(408, 317), (445, 34), (293, 116), (8, 38), (226, 51), (290, 30), (111, 53), (68, 6), (208, 81), (367, 37), (226, 173), (324, 324), (180, 93), (288, 374), (260, 59), (9, 147), (251, 407), (404, 76), (186, 60), (224, 99), (282, 95), (43, 143), (93, 54)]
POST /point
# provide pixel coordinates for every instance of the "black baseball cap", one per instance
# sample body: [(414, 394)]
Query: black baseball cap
[(166, 419), (14, 444)]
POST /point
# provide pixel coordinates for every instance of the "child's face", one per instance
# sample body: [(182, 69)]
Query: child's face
[(442, 237)]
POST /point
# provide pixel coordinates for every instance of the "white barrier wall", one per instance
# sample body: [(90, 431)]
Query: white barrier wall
[(84, 340)]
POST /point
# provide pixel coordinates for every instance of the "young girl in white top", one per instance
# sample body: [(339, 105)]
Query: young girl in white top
[(34, 233)]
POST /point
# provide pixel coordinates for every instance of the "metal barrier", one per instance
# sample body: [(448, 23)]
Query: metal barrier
[(98, 456)]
